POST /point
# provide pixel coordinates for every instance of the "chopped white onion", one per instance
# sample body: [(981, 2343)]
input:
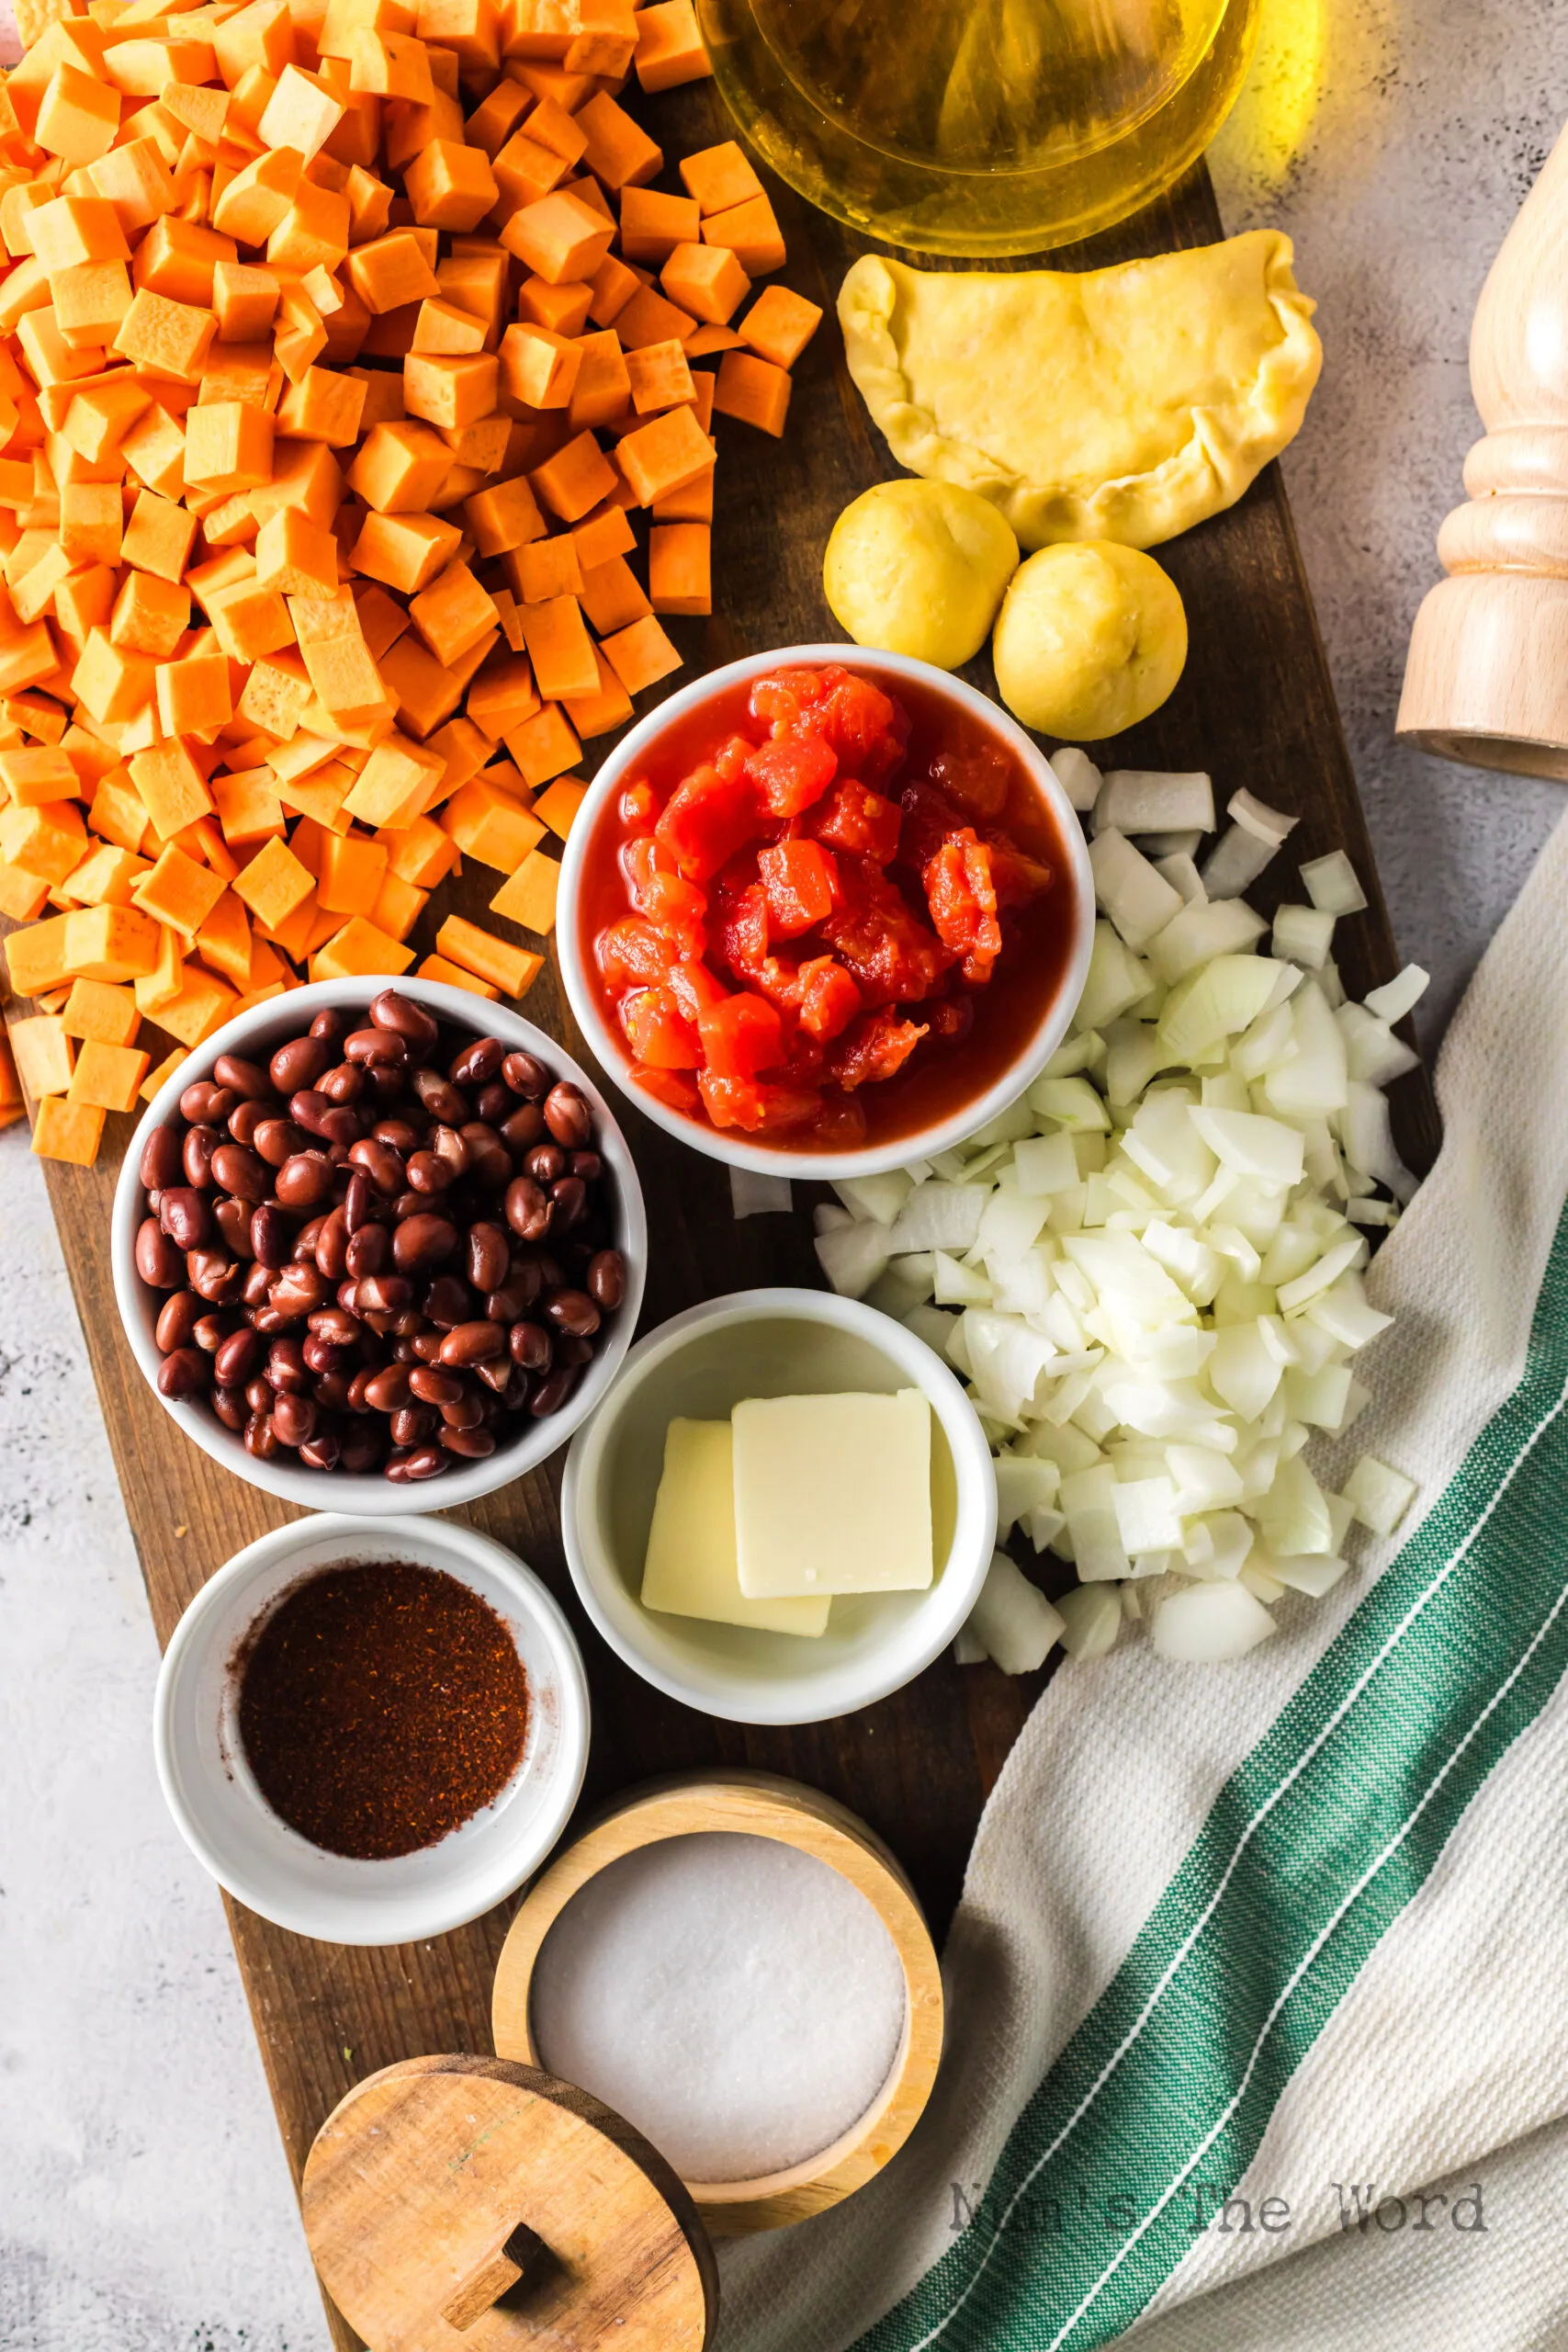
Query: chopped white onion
[(1138, 901), (852, 1256), (881, 1197), (1079, 777), (1178, 867), (1208, 1622), (1091, 1620), (1148, 1268), (1144, 800), (1378, 1496), (968, 1650), (1303, 935), (751, 1195), (1399, 996), (1236, 860), (1330, 882), (1268, 824), (1014, 1620), (1200, 933)]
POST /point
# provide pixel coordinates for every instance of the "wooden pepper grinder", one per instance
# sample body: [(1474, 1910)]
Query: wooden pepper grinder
[(1486, 681)]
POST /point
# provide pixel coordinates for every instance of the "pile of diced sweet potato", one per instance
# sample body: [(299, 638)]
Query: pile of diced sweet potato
[(341, 340)]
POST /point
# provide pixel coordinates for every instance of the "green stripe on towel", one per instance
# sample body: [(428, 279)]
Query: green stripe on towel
[(1315, 1847)]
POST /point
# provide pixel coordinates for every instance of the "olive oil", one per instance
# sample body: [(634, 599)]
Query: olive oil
[(979, 127)]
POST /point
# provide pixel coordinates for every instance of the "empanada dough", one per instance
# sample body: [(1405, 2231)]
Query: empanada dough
[(1124, 403)]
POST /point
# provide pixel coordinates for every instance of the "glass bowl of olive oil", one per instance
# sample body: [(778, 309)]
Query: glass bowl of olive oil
[(979, 127)]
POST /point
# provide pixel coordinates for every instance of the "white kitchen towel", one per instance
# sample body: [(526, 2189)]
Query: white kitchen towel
[(1258, 1993)]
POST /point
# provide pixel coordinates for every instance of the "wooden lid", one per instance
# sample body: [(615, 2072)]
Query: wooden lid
[(473, 2197)]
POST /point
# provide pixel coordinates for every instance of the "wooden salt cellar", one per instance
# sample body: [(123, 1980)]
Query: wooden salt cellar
[(1486, 681), (760, 1805), (469, 2197)]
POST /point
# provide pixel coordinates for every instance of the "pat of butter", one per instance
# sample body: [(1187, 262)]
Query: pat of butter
[(691, 1568), (833, 1494)]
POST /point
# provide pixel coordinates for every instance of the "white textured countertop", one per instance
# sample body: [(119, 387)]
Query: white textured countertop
[(144, 2203)]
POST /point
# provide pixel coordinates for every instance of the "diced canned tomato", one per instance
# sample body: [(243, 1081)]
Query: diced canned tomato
[(808, 904), (741, 1037), (799, 879)]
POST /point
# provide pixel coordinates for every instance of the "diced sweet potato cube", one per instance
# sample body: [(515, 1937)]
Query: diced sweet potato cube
[(641, 654), (547, 567), (528, 897), (159, 536), (400, 468), (248, 809), (450, 186), (560, 238), (360, 951), (96, 1009), (506, 516), (653, 224), (611, 595), (705, 280), (35, 958), (538, 366), (544, 745), (45, 1055), (559, 806), (150, 615), (491, 824), (179, 892), (172, 787), (779, 325), (669, 451), (719, 177), (167, 339), (607, 707), (453, 613), (406, 551), (648, 318), (610, 287), (110, 943), (670, 48), (392, 271), (323, 406), (602, 389), (45, 841), (77, 118), (69, 1131), (679, 567), (660, 378), (617, 151), (452, 976), (478, 951), (559, 648), (353, 869), (754, 391), (576, 479), (107, 1077), (202, 1005), (751, 232), (562, 309)]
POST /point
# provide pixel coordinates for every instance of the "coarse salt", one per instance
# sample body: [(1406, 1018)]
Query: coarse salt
[(737, 2000)]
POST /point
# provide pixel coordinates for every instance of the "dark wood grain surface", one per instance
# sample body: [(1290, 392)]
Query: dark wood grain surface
[(1255, 707)]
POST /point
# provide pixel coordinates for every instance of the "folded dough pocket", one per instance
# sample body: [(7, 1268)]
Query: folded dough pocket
[(1124, 403)]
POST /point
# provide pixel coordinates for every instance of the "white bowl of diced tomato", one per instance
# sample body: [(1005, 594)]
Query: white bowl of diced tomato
[(825, 912)]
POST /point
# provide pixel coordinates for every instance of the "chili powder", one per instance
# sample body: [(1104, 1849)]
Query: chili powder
[(380, 1706)]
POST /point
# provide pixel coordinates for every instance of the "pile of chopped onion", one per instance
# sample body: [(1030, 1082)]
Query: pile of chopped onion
[(1148, 1269)]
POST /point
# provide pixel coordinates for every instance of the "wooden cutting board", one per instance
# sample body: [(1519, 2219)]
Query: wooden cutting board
[(1255, 708)]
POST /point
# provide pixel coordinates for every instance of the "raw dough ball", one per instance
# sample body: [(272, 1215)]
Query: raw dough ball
[(1092, 637), (920, 568)]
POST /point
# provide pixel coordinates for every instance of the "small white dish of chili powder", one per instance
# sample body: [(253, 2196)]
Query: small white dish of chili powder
[(371, 1730)]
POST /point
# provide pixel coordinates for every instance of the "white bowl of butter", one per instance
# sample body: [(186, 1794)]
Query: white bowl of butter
[(875, 1474)]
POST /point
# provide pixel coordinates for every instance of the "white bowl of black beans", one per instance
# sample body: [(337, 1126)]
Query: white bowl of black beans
[(378, 1247)]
